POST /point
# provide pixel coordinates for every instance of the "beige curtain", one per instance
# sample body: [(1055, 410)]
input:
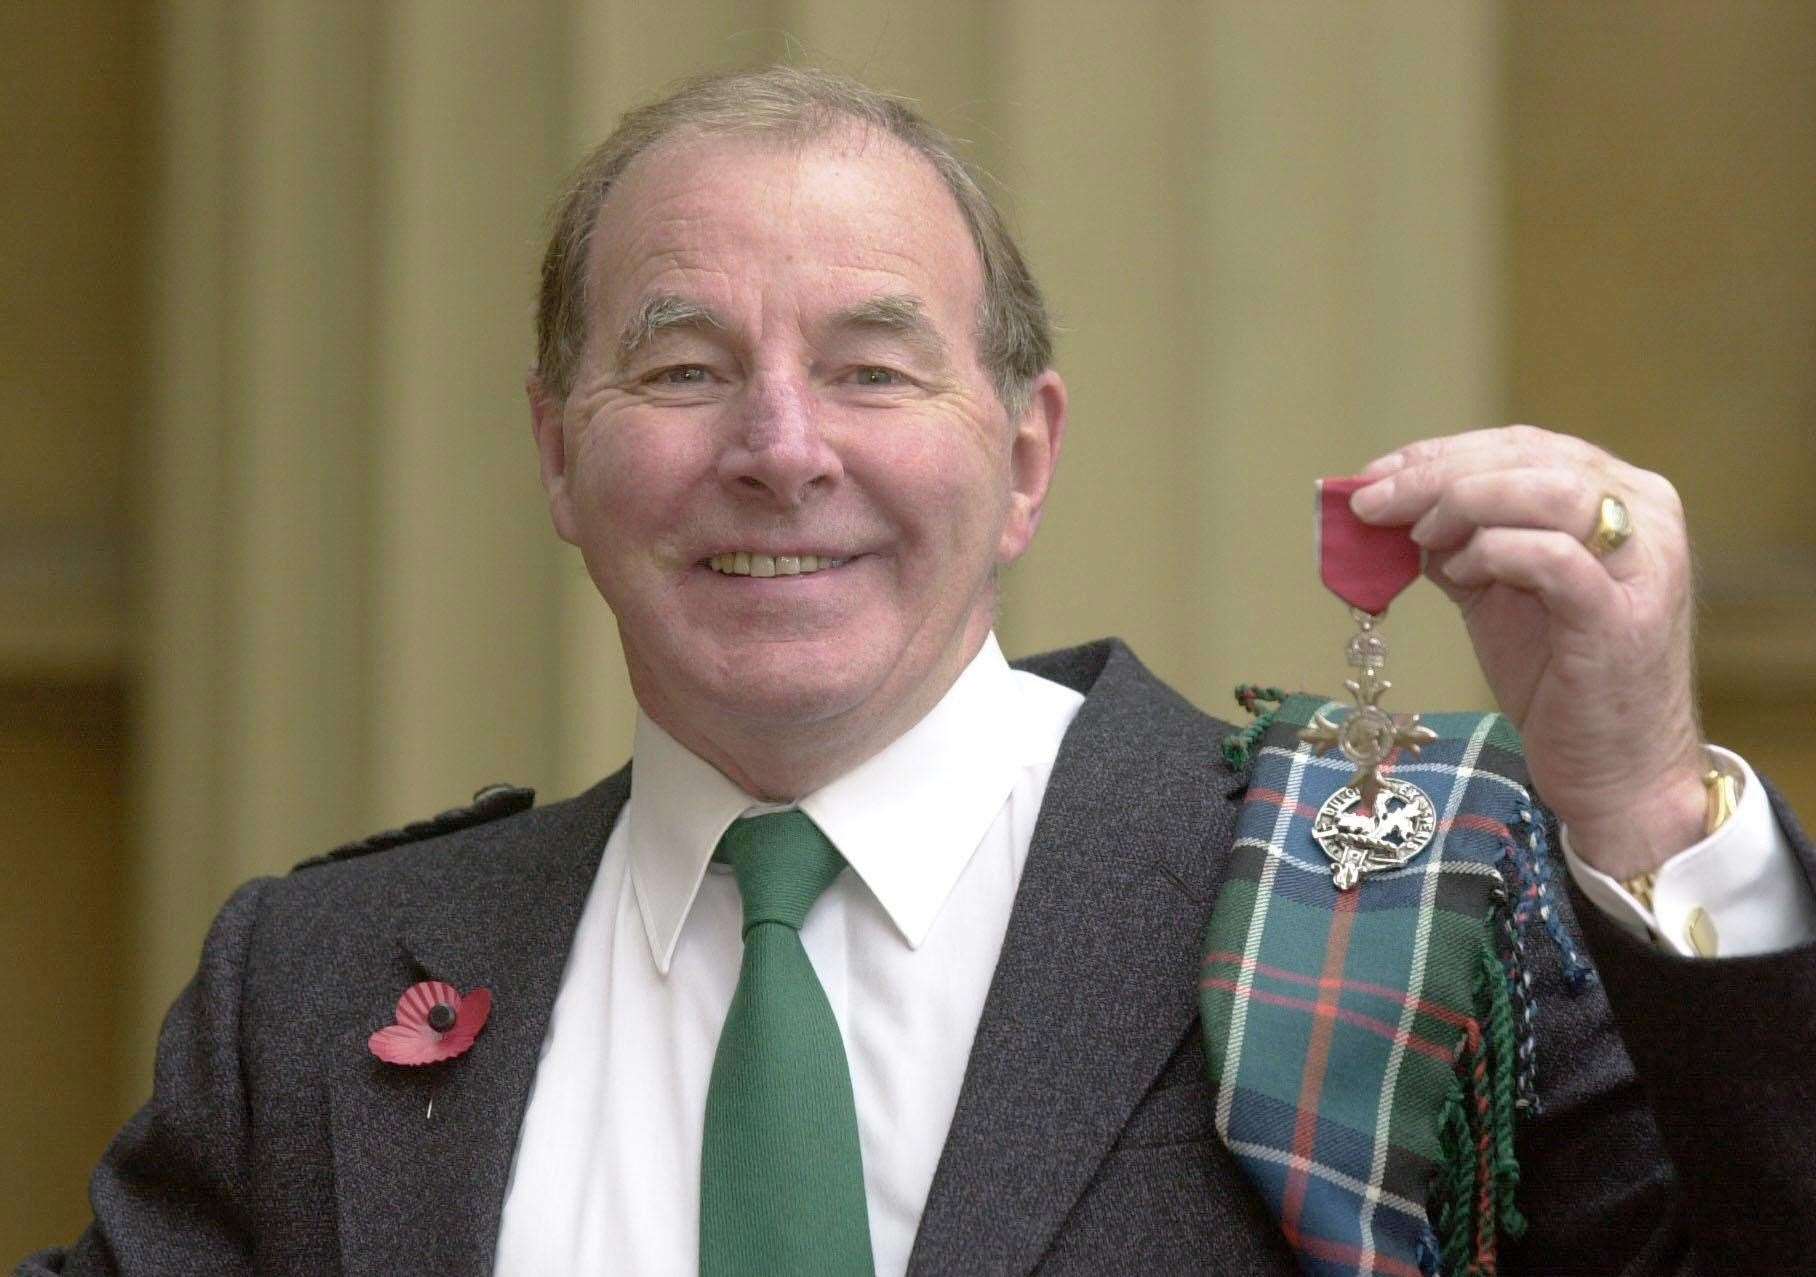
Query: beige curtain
[(1271, 234)]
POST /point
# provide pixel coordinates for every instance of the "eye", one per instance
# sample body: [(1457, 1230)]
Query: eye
[(679, 375), (875, 376)]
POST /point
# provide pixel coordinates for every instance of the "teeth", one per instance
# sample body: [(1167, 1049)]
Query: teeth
[(743, 563)]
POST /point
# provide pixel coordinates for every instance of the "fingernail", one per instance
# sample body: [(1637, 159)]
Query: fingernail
[(1382, 466), (1370, 501)]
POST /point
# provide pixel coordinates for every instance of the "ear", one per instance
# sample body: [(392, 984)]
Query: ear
[(551, 450), (1033, 457)]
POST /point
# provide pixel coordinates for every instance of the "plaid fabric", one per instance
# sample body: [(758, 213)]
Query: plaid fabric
[(1348, 1033)]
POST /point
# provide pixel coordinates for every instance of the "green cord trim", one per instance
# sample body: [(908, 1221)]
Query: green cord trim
[(1502, 1035), (1478, 1173), (1239, 747), (1454, 1184)]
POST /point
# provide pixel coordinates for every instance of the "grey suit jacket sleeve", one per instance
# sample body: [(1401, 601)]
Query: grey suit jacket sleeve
[(1679, 1097), (1726, 1052), (172, 1194)]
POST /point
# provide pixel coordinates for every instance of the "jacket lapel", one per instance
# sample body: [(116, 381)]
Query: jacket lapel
[(421, 1191), (1095, 989), (1096, 986)]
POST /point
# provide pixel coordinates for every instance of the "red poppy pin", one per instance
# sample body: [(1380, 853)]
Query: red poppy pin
[(434, 1023)]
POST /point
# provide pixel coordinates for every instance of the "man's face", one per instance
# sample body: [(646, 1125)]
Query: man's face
[(787, 471)]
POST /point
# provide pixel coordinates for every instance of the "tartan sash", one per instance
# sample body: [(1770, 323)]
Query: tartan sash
[(1369, 1049)]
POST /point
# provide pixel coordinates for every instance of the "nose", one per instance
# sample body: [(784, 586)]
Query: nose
[(777, 450)]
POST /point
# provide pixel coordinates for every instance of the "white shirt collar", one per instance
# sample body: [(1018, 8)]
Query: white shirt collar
[(907, 820)]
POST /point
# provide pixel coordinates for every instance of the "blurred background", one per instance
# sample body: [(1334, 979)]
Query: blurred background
[(274, 564)]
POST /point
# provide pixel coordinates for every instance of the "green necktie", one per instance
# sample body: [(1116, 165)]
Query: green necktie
[(781, 1174)]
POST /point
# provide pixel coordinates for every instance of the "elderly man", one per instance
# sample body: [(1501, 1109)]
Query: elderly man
[(794, 404)]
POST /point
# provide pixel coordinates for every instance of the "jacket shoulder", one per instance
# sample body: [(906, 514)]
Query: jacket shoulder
[(1111, 677), (494, 802)]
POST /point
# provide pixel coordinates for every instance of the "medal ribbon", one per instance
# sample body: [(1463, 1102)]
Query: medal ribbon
[(1364, 565)]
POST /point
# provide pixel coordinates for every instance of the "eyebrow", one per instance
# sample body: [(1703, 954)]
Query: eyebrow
[(665, 312), (900, 315)]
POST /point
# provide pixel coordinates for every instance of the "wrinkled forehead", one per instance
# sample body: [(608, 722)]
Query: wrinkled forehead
[(850, 198)]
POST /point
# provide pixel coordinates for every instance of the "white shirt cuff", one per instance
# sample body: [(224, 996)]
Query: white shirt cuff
[(1744, 877)]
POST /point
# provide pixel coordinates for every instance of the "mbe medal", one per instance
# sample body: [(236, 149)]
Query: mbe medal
[(1375, 822)]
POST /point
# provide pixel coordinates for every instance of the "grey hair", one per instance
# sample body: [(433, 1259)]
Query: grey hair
[(659, 313), (797, 104)]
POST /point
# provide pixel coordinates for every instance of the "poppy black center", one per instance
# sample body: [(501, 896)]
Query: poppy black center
[(441, 1017)]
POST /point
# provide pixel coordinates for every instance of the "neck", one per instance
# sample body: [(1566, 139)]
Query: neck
[(783, 761)]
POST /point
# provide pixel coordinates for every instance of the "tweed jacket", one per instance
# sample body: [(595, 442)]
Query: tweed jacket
[(1679, 1131)]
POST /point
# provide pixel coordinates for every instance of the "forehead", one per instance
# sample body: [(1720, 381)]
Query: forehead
[(755, 219)]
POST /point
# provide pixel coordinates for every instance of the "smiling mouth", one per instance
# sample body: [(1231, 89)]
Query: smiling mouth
[(746, 564)]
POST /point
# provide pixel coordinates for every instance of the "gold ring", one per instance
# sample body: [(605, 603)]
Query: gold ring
[(1613, 525)]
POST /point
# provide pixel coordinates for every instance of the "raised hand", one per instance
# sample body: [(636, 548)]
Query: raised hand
[(1590, 655)]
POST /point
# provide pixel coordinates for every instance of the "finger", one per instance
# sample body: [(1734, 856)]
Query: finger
[(1429, 468), (1562, 500), (1554, 566), (1516, 440)]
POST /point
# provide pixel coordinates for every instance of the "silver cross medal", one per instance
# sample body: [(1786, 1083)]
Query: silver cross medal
[(1375, 822)]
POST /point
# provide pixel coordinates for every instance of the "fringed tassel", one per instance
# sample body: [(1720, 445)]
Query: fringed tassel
[(1481, 1114), (1239, 747), (1454, 1189), (1503, 1074), (1479, 1175), (1525, 1006), (1533, 856)]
